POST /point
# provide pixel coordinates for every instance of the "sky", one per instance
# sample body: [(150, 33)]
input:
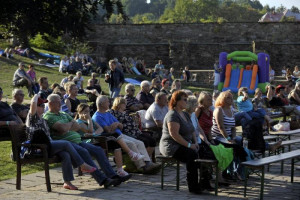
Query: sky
[(277, 3)]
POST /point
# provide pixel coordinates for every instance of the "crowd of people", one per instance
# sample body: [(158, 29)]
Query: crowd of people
[(187, 125)]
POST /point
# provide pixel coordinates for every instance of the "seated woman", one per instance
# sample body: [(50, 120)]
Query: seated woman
[(88, 127), (72, 98), (245, 105), (136, 135), (165, 86), (223, 128), (156, 86), (204, 115), (179, 140), (35, 122)]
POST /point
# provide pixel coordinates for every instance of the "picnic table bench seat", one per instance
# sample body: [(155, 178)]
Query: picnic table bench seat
[(260, 164)]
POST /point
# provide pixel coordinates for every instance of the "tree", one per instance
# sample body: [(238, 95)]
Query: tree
[(133, 7), (146, 18), (294, 9), (280, 9), (24, 19)]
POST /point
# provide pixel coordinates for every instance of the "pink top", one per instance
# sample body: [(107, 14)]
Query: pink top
[(31, 74)]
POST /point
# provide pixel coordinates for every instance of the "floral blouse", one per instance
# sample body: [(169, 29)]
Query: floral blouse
[(129, 126), (33, 123)]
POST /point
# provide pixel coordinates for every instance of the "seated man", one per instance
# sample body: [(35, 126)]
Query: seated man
[(7, 116), (132, 104), (92, 91), (75, 66), (156, 112), (144, 95), (78, 80), (64, 127), (45, 91), (66, 79), (20, 109), (21, 79), (294, 95), (274, 100)]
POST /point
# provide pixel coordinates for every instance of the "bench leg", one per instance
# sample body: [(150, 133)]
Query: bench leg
[(245, 182), (47, 176), (262, 182), (292, 171), (162, 174), (217, 180), (269, 164), (177, 174), (19, 173), (282, 163)]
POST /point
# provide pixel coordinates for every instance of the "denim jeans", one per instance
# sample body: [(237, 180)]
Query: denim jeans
[(242, 118), (87, 150), (114, 92), (66, 152), (258, 114)]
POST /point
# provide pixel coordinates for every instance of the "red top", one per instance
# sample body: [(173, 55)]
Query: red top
[(205, 121)]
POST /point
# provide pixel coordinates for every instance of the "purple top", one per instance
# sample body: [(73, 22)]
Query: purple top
[(31, 74)]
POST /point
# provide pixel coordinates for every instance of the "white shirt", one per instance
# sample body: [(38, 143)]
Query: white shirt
[(155, 113)]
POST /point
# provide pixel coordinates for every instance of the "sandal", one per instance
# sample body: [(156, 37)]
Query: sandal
[(70, 186), (88, 170)]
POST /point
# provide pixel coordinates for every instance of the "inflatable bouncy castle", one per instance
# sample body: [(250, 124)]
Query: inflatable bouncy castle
[(243, 69)]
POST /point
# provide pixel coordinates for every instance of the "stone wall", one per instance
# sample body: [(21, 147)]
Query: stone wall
[(197, 45)]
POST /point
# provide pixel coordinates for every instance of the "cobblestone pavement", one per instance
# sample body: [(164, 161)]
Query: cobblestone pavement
[(277, 186)]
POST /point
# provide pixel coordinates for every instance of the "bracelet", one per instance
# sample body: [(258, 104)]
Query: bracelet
[(189, 145), (7, 123), (228, 138)]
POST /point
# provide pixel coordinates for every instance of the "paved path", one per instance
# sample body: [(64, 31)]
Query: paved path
[(277, 186)]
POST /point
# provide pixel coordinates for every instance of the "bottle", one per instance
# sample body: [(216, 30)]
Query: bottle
[(245, 143)]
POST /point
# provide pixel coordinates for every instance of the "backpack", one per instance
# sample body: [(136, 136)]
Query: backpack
[(254, 133)]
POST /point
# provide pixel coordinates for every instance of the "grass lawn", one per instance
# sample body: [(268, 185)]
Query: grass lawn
[(7, 69)]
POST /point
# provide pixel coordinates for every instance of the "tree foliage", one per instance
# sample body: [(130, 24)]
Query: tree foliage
[(25, 19)]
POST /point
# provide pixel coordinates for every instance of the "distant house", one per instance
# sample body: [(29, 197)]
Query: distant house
[(276, 17)]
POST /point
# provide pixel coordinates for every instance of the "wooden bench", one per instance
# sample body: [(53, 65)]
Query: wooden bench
[(18, 136), (286, 135), (211, 163), (259, 165), (283, 144), (167, 161)]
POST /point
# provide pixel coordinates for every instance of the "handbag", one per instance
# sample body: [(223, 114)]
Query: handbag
[(39, 137)]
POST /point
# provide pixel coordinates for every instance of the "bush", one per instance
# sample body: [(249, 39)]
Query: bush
[(48, 43)]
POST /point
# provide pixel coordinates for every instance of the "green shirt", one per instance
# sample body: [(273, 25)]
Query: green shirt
[(61, 117)]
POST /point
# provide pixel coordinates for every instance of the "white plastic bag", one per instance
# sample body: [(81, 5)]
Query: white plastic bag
[(282, 126)]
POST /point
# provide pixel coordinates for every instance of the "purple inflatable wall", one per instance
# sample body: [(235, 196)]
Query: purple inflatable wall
[(223, 63), (261, 61)]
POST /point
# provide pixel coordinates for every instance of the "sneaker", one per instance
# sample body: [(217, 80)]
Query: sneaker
[(109, 182), (122, 172), (125, 178), (136, 156)]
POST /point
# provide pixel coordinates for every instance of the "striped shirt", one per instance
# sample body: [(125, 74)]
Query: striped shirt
[(229, 123)]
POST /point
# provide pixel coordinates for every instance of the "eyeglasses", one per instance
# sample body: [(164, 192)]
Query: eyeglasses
[(184, 100), (42, 105), (132, 90)]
